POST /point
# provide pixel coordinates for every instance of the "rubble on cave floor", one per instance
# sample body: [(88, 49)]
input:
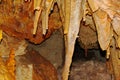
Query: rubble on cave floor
[(89, 70), (92, 67)]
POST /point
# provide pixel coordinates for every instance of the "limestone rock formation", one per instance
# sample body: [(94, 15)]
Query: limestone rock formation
[(32, 66), (19, 18), (36, 20)]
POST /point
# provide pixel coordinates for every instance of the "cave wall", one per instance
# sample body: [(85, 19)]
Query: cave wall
[(32, 20), (52, 49)]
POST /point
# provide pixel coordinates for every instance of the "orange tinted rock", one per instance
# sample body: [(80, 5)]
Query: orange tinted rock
[(9, 42), (4, 73), (17, 20), (42, 68), (11, 63)]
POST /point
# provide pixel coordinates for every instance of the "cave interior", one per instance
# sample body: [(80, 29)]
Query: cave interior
[(59, 39)]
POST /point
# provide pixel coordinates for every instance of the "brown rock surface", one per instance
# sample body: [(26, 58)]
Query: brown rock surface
[(87, 36), (89, 70), (42, 69), (17, 20), (9, 43), (51, 49)]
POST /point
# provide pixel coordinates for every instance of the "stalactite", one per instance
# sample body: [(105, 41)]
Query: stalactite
[(72, 34), (43, 7), (38, 10), (67, 15), (25, 18)]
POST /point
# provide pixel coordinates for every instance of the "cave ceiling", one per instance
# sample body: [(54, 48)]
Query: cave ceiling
[(33, 20)]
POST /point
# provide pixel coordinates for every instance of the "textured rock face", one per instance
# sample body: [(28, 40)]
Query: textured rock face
[(27, 65), (82, 70), (18, 17), (32, 66), (88, 36), (52, 49), (4, 73), (24, 72), (106, 17), (9, 43)]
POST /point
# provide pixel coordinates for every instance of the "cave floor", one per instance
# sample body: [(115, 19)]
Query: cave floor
[(89, 68)]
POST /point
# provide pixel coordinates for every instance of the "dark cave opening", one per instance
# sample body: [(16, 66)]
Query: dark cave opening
[(93, 54), (92, 67)]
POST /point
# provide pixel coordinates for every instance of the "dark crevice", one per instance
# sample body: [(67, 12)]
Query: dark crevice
[(93, 54)]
